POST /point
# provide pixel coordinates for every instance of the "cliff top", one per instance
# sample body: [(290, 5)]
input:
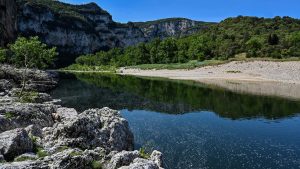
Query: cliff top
[(159, 21), (66, 10)]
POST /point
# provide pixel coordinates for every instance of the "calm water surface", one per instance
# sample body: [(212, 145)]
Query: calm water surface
[(194, 125)]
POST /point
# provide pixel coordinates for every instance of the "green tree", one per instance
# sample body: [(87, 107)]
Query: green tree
[(3, 55), (167, 51), (254, 45), (31, 53), (273, 39)]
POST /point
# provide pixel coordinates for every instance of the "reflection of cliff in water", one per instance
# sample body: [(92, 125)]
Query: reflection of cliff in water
[(173, 97)]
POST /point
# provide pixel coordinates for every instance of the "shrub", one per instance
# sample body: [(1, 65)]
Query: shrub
[(29, 97), (144, 154), (96, 165)]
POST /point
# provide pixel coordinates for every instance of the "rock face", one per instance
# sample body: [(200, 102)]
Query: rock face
[(81, 29), (170, 27), (48, 136), (74, 29), (7, 21)]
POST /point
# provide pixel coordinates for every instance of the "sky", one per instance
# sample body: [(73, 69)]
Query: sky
[(202, 10)]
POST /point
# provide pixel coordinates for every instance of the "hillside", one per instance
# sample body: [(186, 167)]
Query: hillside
[(171, 27), (245, 36)]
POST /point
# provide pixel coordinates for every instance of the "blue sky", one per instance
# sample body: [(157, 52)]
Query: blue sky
[(204, 10)]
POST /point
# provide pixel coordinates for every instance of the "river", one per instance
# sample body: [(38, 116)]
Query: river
[(194, 125)]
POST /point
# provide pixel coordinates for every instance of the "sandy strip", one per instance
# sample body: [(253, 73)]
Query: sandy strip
[(256, 77)]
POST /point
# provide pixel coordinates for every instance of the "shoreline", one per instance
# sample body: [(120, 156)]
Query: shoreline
[(256, 77)]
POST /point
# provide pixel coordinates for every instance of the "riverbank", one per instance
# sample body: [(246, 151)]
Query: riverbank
[(37, 132), (256, 77)]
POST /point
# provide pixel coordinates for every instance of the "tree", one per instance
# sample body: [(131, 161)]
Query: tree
[(2, 55), (254, 45), (273, 39), (31, 53)]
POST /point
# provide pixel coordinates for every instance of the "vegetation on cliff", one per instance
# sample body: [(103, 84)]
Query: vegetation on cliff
[(253, 36), (66, 11)]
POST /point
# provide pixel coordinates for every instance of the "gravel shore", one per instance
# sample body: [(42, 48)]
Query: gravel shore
[(257, 77)]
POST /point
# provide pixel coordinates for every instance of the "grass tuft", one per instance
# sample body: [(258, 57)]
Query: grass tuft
[(96, 165)]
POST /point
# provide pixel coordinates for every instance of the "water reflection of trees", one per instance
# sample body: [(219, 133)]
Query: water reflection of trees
[(175, 97)]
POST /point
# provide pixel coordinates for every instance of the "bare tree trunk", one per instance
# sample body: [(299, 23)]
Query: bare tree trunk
[(24, 78)]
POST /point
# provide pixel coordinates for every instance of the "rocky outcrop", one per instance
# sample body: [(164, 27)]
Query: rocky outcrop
[(74, 29), (48, 136), (14, 143), (37, 80), (132, 160), (91, 129), (8, 12), (171, 27)]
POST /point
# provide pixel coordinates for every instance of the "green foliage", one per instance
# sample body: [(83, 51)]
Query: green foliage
[(78, 67), (64, 11), (29, 97), (96, 165), (189, 65), (74, 153), (62, 148), (18, 159), (3, 55), (9, 115), (257, 37), (41, 152), (31, 53), (144, 154)]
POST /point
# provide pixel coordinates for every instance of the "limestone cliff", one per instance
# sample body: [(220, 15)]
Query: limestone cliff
[(171, 27), (7, 21), (74, 29), (81, 29)]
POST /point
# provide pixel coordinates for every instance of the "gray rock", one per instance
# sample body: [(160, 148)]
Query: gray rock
[(33, 130), (140, 163), (157, 157), (123, 158), (2, 158), (132, 160), (90, 129), (66, 114), (5, 85), (67, 159), (14, 143), (38, 80), (25, 165), (21, 115)]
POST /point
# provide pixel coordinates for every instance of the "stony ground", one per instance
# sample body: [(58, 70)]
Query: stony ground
[(43, 134)]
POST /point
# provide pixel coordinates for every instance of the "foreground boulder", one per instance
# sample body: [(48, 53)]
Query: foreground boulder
[(133, 160), (90, 129), (21, 115), (38, 80), (14, 143)]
